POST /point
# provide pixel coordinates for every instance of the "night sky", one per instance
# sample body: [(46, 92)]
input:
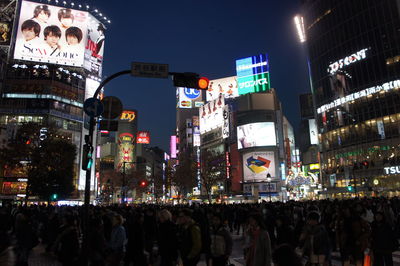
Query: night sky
[(205, 37)]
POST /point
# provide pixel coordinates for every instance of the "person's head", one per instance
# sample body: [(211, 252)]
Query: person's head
[(379, 217), (184, 216), (66, 17), (73, 35), (216, 219), (255, 220), (52, 35), (42, 13), (313, 218), (164, 215), (30, 29), (117, 220), (100, 28), (284, 255)]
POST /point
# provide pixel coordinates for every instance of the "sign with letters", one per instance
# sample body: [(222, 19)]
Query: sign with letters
[(253, 74), (128, 116)]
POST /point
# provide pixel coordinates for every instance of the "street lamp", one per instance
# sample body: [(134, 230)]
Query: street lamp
[(269, 179)]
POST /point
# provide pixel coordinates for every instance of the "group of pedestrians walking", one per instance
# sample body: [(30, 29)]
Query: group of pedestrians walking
[(363, 231)]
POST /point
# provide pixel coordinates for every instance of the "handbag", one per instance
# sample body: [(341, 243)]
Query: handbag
[(367, 259)]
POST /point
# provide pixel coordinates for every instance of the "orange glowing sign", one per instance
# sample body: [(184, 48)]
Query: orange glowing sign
[(128, 115)]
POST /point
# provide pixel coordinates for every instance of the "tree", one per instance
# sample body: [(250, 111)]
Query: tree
[(213, 171), (51, 169), (184, 177)]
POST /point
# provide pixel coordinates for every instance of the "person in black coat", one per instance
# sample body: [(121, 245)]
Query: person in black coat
[(135, 246), (167, 239), (384, 241)]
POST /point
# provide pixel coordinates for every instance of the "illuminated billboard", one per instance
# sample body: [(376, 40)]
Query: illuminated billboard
[(188, 97), (227, 86), (312, 126), (127, 116), (94, 49), (253, 74), (91, 87), (51, 34), (211, 115), (256, 134), (143, 137), (257, 165), (126, 148), (172, 146)]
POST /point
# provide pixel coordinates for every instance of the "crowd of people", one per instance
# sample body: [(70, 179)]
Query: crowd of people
[(293, 233)]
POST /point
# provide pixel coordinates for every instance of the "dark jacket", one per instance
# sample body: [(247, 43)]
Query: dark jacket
[(221, 242), (168, 241), (383, 238)]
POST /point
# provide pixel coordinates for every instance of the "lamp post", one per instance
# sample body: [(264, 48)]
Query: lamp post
[(269, 179)]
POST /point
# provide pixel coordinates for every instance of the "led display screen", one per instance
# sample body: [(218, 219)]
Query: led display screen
[(94, 49), (256, 134), (253, 74), (257, 166), (211, 115)]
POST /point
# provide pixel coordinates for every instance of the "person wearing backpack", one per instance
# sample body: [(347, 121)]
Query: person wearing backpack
[(190, 239), (221, 242)]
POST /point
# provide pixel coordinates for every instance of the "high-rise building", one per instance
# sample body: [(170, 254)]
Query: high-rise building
[(354, 56)]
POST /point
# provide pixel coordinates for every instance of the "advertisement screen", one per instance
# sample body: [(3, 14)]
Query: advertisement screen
[(257, 165), (7, 9), (51, 34), (227, 86), (312, 126), (253, 74), (256, 134), (143, 137), (211, 115), (188, 97), (94, 49), (126, 148), (91, 87), (172, 147)]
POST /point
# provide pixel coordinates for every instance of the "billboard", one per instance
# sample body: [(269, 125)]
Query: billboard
[(256, 134), (172, 146), (257, 165), (7, 8), (188, 97), (126, 148), (143, 137), (127, 116), (94, 49), (253, 74), (51, 34), (312, 127), (91, 87), (227, 86), (211, 115)]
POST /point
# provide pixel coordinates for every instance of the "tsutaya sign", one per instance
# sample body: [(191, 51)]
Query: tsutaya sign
[(253, 74), (356, 95), (392, 170), (357, 56)]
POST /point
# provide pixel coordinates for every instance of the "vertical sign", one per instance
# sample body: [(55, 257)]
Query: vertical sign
[(173, 147), (312, 126), (225, 127), (381, 129), (253, 74)]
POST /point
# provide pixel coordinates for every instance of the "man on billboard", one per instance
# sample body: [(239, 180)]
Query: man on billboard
[(41, 15), (52, 35)]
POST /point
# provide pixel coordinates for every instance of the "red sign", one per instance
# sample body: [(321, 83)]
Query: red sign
[(143, 137)]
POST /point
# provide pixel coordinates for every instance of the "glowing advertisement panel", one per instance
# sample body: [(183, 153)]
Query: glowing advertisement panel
[(256, 134), (94, 49), (257, 165), (91, 87), (211, 115), (253, 74), (188, 97), (172, 147), (7, 8), (227, 86), (126, 147), (51, 34), (312, 126), (143, 137)]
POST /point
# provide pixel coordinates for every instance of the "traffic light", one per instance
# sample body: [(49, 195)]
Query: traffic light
[(143, 183), (87, 160), (54, 196), (190, 80), (350, 188)]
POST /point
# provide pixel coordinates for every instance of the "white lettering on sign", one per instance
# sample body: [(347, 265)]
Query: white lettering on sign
[(347, 60), (392, 170), (252, 83), (354, 96), (243, 67)]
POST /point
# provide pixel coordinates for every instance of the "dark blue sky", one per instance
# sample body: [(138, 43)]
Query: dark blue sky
[(198, 36)]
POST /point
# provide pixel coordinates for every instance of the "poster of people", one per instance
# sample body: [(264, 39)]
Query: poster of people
[(51, 34), (94, 48)]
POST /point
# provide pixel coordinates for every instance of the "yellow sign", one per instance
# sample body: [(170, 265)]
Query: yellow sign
[(128, 115), (314, 166)]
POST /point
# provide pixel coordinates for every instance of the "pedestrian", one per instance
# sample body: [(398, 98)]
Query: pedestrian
[(135, 245), (314, 241), (221, 242), (97, 242), (117, 241), (384, 241), (258, 244), (167, 239), (284, 255), (26, 237), (190, 238), (66, 245)]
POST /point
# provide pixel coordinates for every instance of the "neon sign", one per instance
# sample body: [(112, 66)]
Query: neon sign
[(392, 170), (356, 95), (253, 74), (128, 115), (357, 56)]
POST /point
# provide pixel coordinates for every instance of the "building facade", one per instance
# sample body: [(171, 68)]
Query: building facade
[(354, 54)]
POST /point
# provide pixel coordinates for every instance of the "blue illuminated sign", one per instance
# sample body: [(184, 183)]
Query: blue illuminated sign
[(253, 74), (191, 93)]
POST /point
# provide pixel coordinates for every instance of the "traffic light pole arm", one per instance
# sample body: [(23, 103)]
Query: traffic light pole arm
[(108, 79)]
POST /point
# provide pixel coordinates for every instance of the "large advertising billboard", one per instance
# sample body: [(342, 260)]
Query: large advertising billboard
[(189, 98), (257, 165), (227, 86), (126, 149), (253, 74), (51, 34), (94, 49), (211, 115), (312, 126), (256, 134)]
